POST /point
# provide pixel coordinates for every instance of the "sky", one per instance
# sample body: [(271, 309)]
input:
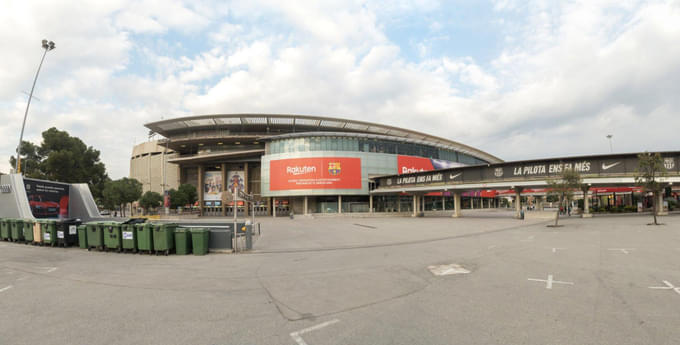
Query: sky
[(518, 79)]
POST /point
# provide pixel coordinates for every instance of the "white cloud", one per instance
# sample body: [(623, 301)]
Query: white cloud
[(568, 73)]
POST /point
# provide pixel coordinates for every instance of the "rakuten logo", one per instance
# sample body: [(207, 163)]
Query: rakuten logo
[(300, 170), (407, 170)]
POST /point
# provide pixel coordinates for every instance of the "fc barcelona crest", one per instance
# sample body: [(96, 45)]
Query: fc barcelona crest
[(334, 168)]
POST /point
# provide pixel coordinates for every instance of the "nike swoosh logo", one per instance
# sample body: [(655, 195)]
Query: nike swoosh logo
[(606, 167), (453, 177)]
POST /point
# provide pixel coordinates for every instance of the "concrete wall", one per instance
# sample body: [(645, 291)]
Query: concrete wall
[(146, 166)]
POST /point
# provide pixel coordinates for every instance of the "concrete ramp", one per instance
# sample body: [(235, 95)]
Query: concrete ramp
[(82, 204), (13, 198)]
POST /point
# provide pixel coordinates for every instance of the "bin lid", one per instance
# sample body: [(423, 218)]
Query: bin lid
[(180, 229), (198, 230)]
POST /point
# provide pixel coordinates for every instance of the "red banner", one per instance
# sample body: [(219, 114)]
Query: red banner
[(411, 164), (315, 173)]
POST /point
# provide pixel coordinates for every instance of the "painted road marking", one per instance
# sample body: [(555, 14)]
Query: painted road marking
[(445, 270), (297, 335), (22, 278), (528, 239), (554, 250), (668, 286), (549, 282), (49, 269), (622, 250), (6, 288)]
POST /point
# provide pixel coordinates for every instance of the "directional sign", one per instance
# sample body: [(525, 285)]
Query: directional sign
[(244, 196)]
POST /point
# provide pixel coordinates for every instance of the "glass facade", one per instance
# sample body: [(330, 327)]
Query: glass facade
[(310, 144)]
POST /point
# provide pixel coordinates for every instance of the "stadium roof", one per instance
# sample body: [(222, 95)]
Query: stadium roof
[(301, 123)]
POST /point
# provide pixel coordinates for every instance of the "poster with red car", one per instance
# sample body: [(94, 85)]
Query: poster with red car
[(47, 199)]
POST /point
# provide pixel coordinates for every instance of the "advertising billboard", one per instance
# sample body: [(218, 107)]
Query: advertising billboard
[(411, 164), (47, 199), (315, 173), (235, 180), (212, 185)]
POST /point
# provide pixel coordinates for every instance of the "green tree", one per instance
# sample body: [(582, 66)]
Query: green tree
[(61, 157), (650, 170), (150, 200), (563, 187), (120, 192), (189, 192), (177, 198)]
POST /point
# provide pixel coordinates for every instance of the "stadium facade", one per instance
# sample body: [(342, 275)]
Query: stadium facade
[(290, 163)]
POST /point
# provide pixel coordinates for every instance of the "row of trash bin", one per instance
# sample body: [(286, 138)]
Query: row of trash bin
[(133, 236), (41, 232)]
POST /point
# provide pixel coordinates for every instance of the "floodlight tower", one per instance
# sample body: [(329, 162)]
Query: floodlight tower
[(47, 45)]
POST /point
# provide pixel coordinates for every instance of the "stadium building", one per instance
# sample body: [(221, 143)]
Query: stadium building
[(291, 163)]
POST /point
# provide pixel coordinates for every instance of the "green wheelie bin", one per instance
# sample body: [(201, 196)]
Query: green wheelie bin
[(163, 237), (48, 232), (4, 229), (182, 241), (113, 238), (95, 236), (17, 230), (144, 237), (28, 230), (129, 232), (200, 238), (82, 236)]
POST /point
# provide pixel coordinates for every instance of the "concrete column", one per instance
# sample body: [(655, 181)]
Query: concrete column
[(586, 203), (370, 203), (274, 207), (518, 202), (305, 203), (246, 190), (472, 202), (415, 205), (225, 190), (659, 203), (200, 190), (456, 205), (443, 202), (398, 203), (339, 204)]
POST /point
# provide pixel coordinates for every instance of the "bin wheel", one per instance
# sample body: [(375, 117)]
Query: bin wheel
[(88, 249), (167, 252)]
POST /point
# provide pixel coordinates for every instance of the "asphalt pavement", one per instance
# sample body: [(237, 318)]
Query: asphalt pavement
[(603, 280)]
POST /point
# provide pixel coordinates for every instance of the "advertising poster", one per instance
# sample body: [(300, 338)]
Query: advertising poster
[(411, 164), (235, 180), (315, 173), (212, 185), (47, 199)]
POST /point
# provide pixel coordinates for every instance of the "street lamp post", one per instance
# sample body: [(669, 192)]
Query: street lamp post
[(47, 45), (609, 136)]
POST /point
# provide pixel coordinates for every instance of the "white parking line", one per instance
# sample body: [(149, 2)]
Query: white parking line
[(297, 335), (549, 282), (6, 288), (528, 239), (49, 269), (622, 250), (554, 250), (668, 286)]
